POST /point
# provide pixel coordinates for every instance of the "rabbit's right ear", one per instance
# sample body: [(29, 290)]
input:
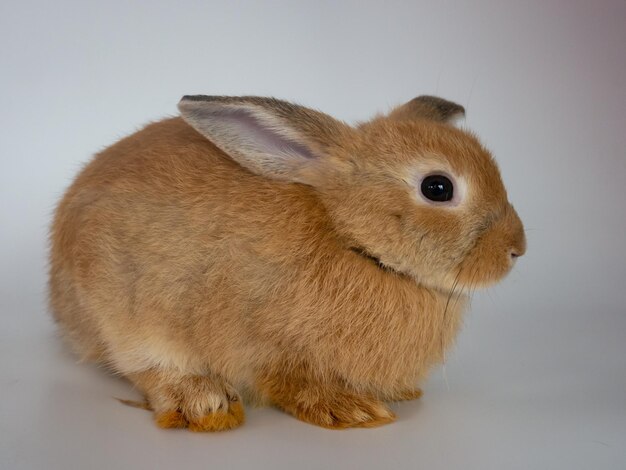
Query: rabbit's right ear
[(269, 137), (428, 107)]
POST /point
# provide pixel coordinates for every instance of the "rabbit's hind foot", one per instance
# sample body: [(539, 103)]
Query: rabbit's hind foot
[(197, 402)]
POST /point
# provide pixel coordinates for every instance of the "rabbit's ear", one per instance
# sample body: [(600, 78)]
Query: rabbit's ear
[(269, 137), (428, 107)]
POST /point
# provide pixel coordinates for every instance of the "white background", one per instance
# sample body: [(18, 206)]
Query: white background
[(538, 377)]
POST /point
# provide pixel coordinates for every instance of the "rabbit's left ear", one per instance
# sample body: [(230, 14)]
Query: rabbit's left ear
[(430, 108), (269, 137)]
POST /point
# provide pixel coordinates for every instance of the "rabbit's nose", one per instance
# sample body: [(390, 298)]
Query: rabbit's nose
[(518, 247), (517, 241)]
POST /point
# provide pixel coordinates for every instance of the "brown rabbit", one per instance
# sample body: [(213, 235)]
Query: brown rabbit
[(260, 249)]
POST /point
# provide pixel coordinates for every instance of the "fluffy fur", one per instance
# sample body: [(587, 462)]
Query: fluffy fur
[(263, 250)]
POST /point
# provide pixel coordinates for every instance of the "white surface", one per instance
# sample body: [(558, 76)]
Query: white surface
[(538, 379)]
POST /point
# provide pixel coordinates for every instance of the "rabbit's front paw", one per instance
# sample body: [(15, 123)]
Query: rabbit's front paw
[(329, 405), (340, 410)]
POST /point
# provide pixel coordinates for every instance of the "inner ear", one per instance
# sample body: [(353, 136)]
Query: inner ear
[(268, 139), (253, 135)]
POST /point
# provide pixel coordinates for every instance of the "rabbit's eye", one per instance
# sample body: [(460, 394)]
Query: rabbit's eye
[(437, 188)]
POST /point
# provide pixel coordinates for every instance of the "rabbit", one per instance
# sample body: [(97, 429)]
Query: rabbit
[(256, 251)]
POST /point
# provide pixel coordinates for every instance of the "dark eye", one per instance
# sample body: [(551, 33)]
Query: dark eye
[(437, 188)]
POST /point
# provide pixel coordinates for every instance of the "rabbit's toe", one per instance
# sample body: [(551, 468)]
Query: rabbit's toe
[(197, 402), (220, 420), (171, 419)]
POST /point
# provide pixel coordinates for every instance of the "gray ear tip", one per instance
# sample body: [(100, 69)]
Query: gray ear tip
[(188, 98), (443, 106), (191, 103)]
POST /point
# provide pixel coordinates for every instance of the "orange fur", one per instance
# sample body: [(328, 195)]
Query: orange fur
[(219, 420), (171, 419), (200, 280)]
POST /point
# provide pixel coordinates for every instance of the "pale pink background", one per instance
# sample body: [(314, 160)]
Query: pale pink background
[(538, 379)]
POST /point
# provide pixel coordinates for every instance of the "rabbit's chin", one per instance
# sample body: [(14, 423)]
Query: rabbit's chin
[(469, 278), (445, 286), (462, 280)]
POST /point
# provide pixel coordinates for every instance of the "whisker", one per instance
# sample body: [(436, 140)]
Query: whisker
[(473, 285), (445, 312)]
